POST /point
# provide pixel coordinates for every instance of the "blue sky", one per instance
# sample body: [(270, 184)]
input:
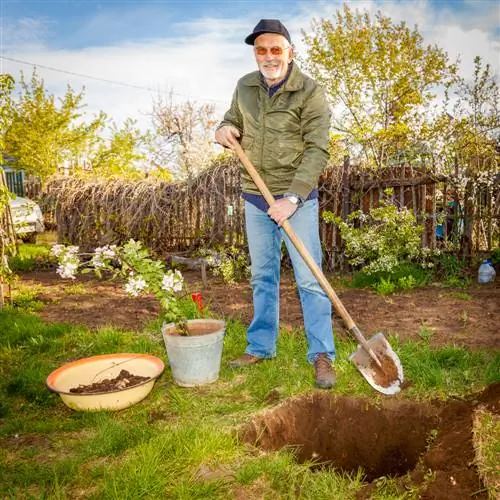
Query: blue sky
[(196, 47)]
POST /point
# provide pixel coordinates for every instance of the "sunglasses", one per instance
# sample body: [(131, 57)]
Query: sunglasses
[(275, 51)]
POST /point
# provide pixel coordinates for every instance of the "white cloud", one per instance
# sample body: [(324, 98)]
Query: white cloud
[(206, 60), (26, 32)]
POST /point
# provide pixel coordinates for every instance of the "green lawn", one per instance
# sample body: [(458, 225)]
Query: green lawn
[(181, 443)]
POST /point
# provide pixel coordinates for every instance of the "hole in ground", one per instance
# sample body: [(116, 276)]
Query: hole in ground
[(348, 433)]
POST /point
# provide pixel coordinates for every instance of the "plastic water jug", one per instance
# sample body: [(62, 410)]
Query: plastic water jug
[(486, 272)]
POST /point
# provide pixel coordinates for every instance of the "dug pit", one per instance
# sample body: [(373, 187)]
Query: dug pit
[(348, 433), (427, 445)]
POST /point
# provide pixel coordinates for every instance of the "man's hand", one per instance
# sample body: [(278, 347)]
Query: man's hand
[(281, 210), (227, 135)]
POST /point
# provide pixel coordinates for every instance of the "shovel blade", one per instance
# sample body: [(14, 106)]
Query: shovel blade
[(387, 380)]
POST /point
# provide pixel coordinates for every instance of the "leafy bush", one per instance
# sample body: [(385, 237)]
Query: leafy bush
[(31, 257), (389, 235), (232, 264), (452, 270), (403, 277), (384, 245), (495, 256), (385, 287)]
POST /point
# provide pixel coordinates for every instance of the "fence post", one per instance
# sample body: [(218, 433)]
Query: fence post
[(346, 189), (346, 201)]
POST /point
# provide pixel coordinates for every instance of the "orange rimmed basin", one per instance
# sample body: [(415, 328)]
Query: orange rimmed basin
[(86, 371)]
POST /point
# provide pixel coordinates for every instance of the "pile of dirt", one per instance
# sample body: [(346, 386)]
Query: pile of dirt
[(124, 380), (427, 445)]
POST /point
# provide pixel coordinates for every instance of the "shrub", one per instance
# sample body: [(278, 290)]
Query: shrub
[(231, 264), (389, 235), (452, 270), (385, 287)]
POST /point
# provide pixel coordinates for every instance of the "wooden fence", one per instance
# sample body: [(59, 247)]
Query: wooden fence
[(209, 211)]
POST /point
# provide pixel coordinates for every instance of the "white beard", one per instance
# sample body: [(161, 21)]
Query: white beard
[(272, 72)]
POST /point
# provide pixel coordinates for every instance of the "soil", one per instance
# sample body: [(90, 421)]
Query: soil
[(124, 380), (430, 441), (196, 330), (386, 374), (428, 446), (468, 317)]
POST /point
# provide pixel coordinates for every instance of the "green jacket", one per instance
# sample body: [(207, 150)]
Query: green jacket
[(285, 136)]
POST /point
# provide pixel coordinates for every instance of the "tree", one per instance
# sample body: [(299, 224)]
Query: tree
[(469, 149), (7, 84), (43, 134), (476, 122), (379, 78), (120, 156), (185, 135)]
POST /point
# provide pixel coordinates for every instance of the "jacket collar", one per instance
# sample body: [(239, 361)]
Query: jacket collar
[(294, 82)]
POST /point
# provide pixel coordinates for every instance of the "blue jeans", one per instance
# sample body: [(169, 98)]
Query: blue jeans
[(264, 241)]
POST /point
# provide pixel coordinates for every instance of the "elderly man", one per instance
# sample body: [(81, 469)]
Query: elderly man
[(282, 120)]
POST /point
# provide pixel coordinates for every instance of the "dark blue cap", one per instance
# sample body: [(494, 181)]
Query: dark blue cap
[(268, 26)]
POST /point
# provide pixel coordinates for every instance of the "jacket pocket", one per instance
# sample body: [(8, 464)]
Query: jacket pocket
[(287, 153)]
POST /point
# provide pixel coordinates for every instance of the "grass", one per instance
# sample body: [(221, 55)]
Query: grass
[(486, 439), (32, 256), (181, 443)]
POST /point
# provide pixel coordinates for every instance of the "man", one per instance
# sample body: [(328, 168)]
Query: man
[(282, 119)]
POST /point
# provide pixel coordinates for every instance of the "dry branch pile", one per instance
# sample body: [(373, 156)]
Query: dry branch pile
[(165, 217), (208, 211)]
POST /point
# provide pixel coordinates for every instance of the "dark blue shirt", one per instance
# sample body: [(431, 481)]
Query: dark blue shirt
[(258, 200)]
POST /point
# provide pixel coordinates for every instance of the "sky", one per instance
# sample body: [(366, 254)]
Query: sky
[(125, 52)]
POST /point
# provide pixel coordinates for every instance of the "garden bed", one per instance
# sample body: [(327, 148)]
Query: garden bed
[(294, 441), (468, 317)]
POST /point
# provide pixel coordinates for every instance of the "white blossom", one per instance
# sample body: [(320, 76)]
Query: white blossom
[(135, 286), (57, 250), (102, 255), (67, 269), (172, 281)]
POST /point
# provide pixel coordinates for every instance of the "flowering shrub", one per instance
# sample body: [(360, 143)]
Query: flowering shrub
[(133, 263), (389, 236), (231, 264)]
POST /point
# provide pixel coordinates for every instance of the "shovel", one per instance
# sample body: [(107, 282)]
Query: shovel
[(375, 359)]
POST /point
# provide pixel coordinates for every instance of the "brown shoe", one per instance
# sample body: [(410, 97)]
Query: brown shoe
[(325, 373), (245, 360)]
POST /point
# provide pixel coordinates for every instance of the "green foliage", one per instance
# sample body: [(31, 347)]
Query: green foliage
[(7, 247), (495, 256), (119, 156), (31, 257), (407, 283), (42, 133), (389, 236), (26, 298), (384, 287), (451, 270), (474, 129), (45, 133), (379, 76), (7, 84), (230, 263), (403, 277)]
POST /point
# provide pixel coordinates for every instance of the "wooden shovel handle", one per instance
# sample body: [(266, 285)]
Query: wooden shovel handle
[(299, 245)]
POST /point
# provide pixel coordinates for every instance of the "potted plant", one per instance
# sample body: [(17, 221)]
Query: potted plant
[(194, 346)]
